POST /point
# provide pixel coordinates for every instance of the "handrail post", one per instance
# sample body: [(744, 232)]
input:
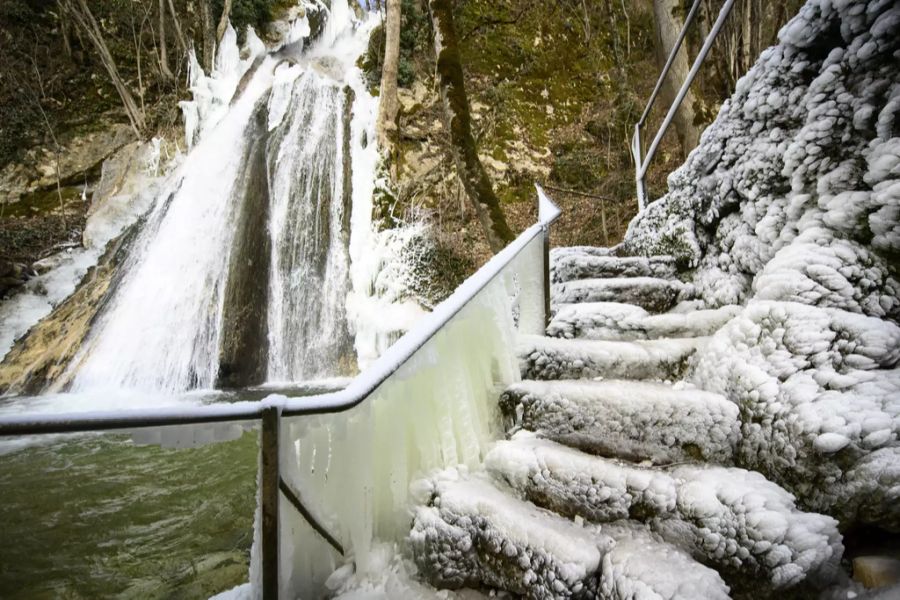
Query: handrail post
[(269, 498), (546, 253)]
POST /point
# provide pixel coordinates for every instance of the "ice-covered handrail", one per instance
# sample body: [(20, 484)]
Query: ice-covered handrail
[(641, 164), (359, 389)]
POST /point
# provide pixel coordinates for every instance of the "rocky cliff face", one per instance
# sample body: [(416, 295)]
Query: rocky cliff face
[(791, 205)]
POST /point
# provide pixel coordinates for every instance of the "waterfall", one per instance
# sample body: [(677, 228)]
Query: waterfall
[(241, 272), (309, 228)]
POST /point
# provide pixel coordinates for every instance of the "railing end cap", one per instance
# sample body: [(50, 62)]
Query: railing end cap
[(548, 212)]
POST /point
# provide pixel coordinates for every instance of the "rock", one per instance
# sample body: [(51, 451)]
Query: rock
[(412, 99), (13, 275), (79, 156), (876, 571), (125, 179)]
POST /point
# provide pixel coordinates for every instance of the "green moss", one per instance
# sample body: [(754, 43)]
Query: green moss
[(43, 202)]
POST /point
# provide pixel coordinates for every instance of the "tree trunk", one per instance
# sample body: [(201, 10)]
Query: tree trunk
[(64, 29), (209, 36), (179, 35), (668, 26), (163, 51), (456, 108), (223, 21), (746, 37), (85, 20), (390, 106)]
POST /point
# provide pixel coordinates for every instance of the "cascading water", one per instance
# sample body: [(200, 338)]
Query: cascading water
[(241, 273), (307, 322)]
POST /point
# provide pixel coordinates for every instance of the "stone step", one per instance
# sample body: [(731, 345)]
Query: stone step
[(643, 565), (631, 420), (470, 533), (543, 357), (729, 518), (650, 293), (580, 265), (626, 322)]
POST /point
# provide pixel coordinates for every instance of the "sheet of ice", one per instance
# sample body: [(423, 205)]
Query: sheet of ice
[(437, 409)]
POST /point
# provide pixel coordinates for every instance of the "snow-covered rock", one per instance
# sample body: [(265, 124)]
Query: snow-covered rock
[(469, 533), (732, 519), (651, 293), (791, 205), (626, 322), (819, 390), (583, 265), (551, 358)]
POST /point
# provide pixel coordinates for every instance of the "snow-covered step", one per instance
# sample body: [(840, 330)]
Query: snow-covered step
[(732, 519), (573, 266), (632, 420), (543, 357), (642, 565), (650, 293), (626, 322), (468, 533)]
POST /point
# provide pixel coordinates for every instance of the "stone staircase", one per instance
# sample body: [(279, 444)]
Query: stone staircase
[(617, 479)]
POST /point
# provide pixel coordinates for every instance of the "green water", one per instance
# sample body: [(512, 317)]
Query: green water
[(94, 516)]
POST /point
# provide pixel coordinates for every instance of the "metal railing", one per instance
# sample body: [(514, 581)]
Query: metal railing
[(642, 162), (270, 411)]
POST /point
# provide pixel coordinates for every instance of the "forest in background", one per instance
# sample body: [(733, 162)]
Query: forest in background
[(554, 90)]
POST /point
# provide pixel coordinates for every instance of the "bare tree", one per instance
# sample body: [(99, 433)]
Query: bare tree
[(86, 21), (163, 52), (668, 25), (179, 35), (223, 21), (209, 39), (456, 111), (390, 106)]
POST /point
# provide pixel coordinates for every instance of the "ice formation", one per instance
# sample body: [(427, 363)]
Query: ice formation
[(791, 206)]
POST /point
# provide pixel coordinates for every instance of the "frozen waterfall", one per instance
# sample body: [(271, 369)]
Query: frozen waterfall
[(241, 273)]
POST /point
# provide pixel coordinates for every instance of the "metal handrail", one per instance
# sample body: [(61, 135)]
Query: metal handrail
[(270, 410), (642, 164)]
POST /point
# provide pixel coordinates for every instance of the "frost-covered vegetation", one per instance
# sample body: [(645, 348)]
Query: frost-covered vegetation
[(790, 205)]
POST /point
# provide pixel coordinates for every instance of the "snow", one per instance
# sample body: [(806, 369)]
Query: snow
[(627, 322), (530, 549), (812, 382), (651, 293), (727, 517), (791, 205), (553, 358), (642, 567), (568, 266), (630, 419)]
